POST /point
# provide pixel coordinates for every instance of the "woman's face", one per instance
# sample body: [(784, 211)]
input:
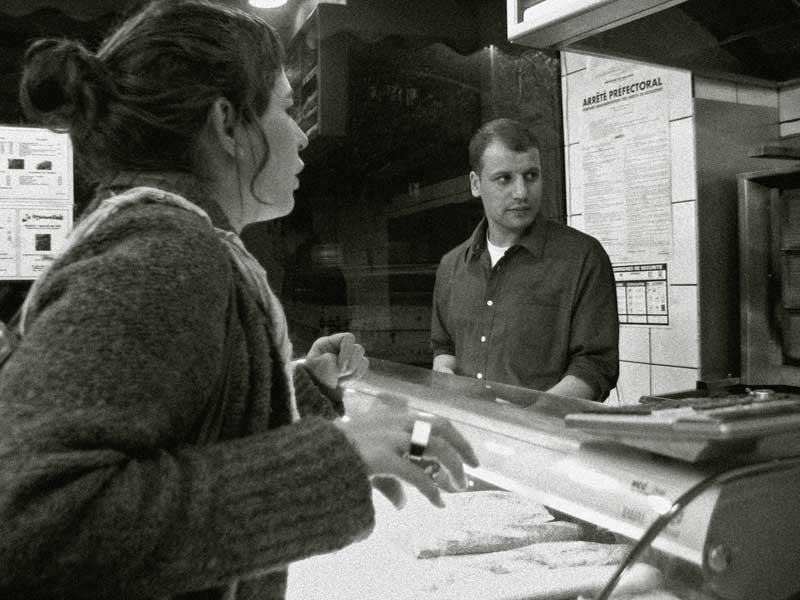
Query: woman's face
[(275, 184)]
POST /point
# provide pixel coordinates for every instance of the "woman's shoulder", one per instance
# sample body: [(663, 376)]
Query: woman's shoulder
[(160, 224), (146, 239)]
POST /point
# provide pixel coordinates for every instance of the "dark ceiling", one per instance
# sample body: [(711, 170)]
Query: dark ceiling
[(749, 38)]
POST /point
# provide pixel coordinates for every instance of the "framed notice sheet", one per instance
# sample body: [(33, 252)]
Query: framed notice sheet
[(36, 199)]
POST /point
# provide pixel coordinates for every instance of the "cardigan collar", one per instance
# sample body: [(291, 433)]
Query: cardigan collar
[(176, 182)]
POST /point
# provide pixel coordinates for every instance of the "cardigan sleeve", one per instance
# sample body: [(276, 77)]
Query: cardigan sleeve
[(314, 398), (100, 495)]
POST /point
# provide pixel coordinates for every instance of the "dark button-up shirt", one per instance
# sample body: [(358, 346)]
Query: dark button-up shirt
[(547, 309)]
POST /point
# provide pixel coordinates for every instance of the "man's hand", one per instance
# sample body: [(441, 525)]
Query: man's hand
[(572, 387), (445, 363), (336, 358)]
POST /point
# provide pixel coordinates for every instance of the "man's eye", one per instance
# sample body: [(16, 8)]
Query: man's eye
[(532, 176)]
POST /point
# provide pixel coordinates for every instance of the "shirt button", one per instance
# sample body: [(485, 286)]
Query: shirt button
[(489, 303), (479, 376), (483, 338)]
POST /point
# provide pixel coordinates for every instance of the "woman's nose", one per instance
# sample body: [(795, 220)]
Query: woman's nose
[(302, 138)]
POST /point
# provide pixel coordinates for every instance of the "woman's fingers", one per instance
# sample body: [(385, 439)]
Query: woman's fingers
[(346, 351), (347, 354), (445, 430), (391, 489), (450, 462), (383, 438), (417, 477)]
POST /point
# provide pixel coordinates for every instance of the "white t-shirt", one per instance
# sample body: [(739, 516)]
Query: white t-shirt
[(495, 252)]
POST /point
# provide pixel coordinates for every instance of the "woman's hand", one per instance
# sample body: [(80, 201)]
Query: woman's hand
[(382, 436), (336, 358)]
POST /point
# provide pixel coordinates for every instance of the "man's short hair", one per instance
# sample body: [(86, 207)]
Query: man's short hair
[(511, 133)]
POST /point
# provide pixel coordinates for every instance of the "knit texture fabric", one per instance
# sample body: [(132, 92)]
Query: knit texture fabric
[(103, 492)]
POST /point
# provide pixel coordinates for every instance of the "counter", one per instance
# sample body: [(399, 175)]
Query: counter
[(723, 529)]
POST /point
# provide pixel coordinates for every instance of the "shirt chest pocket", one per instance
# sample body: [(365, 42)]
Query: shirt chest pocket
[(535, 323)]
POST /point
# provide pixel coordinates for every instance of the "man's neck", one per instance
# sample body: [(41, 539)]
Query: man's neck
[(501, 239)]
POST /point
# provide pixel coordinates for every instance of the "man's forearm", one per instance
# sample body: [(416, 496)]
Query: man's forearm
[(572, 387)]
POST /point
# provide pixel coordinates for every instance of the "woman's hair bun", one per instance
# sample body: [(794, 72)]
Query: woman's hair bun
[(63, 84)]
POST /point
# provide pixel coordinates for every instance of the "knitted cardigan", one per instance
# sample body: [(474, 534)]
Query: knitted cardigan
[(103, 491)]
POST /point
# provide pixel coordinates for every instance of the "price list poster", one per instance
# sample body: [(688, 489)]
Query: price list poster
[(36, 199)]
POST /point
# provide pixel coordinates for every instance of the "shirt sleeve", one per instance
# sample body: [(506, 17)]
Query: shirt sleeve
[(594, 341), (101, 493), (441, 341)]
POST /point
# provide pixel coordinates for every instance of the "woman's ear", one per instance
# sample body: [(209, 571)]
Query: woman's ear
[(222, 125)]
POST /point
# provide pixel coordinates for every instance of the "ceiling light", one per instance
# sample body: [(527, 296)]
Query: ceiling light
[(267, 3)]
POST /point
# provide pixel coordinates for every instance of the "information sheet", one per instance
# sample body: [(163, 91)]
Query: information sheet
[(626, 160), (642, 294), (36, 199)]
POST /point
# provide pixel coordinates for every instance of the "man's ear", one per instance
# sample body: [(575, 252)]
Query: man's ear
[(222, 125), (475, 184)]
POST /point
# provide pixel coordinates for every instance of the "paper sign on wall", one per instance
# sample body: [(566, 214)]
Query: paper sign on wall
[(642, 294), (36, 199), (626, 160)]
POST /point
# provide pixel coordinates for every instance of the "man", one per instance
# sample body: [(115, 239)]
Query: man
[(525, 300)]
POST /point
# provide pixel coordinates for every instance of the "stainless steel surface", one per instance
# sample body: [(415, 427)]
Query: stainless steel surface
[(524, 446), (713, 543), (760, 198)]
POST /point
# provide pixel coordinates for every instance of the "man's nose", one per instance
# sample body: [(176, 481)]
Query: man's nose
[(520, 189)]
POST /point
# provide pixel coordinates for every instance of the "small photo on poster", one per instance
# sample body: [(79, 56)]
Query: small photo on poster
[(43, 242)]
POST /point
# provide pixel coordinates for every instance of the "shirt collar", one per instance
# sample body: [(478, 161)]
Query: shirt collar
[(183, 184), (533, 240)]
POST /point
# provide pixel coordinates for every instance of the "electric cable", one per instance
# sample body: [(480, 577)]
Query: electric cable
[(660, 523)]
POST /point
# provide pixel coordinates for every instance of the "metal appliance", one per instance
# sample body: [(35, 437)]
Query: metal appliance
[(718, 529)]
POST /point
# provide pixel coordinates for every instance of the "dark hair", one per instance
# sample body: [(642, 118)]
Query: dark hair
[(140, 102), (512, 134)]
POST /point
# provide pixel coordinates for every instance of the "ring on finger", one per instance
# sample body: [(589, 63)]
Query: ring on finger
[(420, 436)]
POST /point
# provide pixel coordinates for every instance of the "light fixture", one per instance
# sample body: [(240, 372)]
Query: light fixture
[(267, 3)]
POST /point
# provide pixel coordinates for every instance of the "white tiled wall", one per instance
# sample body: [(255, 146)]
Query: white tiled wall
[(650, 357), (665, 379), (634, 381), (786, 99), (677, 345), (683, 261), (741, 93), (660, 360), (683, 171)]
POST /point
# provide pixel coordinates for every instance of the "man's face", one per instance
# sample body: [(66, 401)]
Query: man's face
[(510, 187)]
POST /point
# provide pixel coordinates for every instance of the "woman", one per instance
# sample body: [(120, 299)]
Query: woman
[(151, 444)]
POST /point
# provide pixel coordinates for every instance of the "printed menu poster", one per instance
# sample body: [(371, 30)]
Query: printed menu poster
[(626, 160), (36, 199)]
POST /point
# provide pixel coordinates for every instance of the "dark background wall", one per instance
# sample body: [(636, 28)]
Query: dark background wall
[(384, 195)]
